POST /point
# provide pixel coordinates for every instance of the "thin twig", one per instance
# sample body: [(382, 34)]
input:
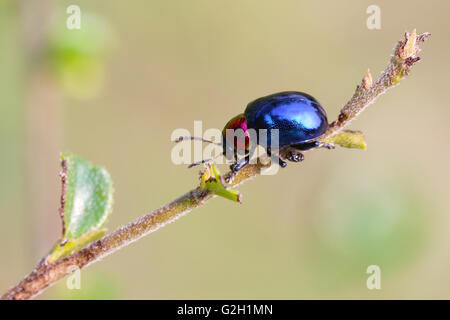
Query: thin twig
[(46, 274)]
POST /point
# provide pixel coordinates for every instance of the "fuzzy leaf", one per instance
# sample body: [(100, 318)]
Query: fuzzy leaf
[(64, 249), (86, 203), (348, 139), (212, 181)]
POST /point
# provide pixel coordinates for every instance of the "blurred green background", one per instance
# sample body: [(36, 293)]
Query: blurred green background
[(114, 91)]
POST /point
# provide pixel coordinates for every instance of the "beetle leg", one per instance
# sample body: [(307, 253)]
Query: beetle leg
[(235, 167), (239, 165), (295, 156), (275, 157), (291, 154), (326, 145)]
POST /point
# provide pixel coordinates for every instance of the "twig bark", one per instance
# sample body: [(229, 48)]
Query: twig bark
[(405, 55)]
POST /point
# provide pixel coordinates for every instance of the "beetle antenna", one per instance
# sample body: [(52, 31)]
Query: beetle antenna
[(204, 161), (199, 162), (179, 139)]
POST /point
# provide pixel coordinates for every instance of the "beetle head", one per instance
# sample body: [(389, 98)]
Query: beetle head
[(236, 137)]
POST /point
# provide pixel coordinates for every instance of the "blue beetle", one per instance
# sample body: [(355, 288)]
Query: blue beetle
[(300, 119)]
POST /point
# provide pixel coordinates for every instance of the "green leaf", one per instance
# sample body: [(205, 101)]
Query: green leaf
[(212, 181), (88, 198), (86, 203), (66, 248)]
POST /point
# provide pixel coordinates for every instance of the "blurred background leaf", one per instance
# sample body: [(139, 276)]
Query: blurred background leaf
[(78, 57), (95, 285)]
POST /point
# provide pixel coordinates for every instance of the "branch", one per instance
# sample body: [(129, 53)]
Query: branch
[(46, 274)]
